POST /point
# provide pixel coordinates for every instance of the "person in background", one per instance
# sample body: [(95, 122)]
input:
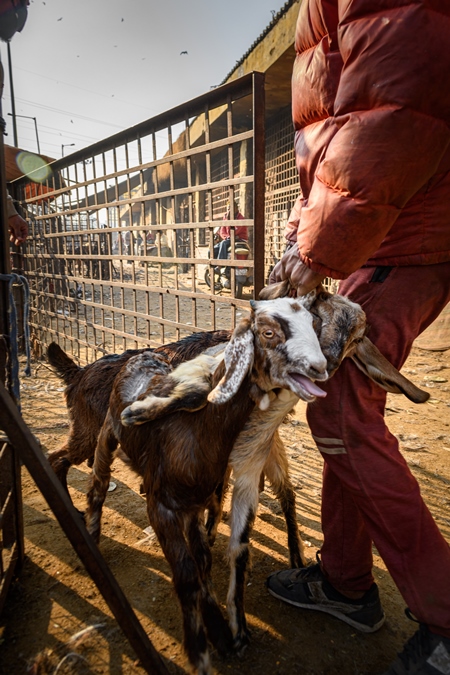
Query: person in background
[(222, 248), (13, 15), (371, 111), (18, 227)]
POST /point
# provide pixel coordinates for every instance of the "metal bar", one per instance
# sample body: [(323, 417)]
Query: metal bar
[(259, 179), (168, 193), (183, 154), (24, 442), (215, 98), (9, 574)]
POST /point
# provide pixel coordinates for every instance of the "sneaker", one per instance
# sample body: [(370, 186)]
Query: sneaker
[(307, 588), (426, 653)]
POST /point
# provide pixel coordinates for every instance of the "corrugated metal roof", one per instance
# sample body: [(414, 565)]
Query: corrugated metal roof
[(274, 21)]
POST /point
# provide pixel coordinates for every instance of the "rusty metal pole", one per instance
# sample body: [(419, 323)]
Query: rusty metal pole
[(259, 161), (43, 475), (5, 264)]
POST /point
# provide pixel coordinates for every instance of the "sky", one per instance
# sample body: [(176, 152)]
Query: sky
[(86, 69)]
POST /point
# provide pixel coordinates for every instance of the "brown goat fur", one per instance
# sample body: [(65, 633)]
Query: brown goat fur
[(183, 457), (88, 390)]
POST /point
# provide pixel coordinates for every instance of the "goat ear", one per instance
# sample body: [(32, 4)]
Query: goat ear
[(238, 361), (279, 290), (309, 299), (372, 362)]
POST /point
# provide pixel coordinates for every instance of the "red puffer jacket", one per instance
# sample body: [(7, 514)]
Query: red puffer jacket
[(371, 109)]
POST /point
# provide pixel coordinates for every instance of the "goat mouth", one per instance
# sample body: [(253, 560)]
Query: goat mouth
[(306, 388)]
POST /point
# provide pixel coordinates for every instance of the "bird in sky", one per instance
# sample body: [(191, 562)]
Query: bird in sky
[(60, 19), (181, 53)]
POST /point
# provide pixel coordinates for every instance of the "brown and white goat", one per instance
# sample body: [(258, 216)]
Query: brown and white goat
[(88, 390), (341, 326), (183, 456)]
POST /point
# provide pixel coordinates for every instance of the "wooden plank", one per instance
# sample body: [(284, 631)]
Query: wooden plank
[(26, 445)]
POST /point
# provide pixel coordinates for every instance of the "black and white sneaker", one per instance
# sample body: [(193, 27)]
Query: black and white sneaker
[(307, 588), (425, 653)]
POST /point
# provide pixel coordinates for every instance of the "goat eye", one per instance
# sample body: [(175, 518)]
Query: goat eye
[(268, 334)]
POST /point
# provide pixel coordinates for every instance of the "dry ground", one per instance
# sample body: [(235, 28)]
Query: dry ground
[(54, 598)]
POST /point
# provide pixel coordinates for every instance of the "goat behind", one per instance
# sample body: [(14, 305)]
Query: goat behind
[(183, 457)]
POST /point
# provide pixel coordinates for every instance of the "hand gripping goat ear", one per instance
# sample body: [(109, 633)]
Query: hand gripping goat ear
[(283, 289), (280, 290), (238, 359), (372, 362)]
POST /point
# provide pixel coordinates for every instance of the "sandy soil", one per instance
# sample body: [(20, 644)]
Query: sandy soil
[(54, 598)]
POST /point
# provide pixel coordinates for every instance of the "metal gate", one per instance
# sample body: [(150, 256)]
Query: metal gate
[(11, 521), (122, 232)]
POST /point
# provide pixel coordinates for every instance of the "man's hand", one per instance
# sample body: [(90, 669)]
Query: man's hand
[(300, 276), (18, 229)]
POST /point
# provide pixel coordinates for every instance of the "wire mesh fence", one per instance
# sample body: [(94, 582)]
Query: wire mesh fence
[(153, 233)]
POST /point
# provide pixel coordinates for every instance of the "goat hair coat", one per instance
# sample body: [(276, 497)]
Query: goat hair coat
[(371, 111)]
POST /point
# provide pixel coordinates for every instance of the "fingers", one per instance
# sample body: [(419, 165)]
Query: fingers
[(291, 267), (18, 229)]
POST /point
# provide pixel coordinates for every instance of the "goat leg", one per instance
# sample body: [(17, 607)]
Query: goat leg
[(215, 507), (217, 628), (60, 463), (243, 510), (101, 474), (277, 471), (170, 530)]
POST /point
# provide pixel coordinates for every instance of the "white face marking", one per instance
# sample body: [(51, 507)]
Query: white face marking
[(302, 346)]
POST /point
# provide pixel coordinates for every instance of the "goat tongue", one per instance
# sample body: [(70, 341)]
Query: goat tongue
[(308, 384)]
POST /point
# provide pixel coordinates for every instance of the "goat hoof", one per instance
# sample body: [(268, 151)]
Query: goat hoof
[(223, 641), (297, 561), (129, 416), (241, 642)]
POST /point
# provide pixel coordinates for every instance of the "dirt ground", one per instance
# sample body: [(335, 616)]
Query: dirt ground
[(54, 599)]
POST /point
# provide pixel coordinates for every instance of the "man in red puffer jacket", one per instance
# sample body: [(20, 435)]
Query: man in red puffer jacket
[(371, 109)]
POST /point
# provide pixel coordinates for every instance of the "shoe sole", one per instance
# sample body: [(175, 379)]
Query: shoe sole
[(363, 628)]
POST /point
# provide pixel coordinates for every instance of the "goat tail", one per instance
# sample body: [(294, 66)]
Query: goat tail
[(66, 368)]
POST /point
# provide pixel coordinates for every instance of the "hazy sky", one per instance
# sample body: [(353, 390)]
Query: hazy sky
[(89, 68)]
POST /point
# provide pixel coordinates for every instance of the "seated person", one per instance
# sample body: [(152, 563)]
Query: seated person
[(222, 248)]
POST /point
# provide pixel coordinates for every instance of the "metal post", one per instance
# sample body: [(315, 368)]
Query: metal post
[(5, 259), (259, 160), (13, 100), (37, 136), (66, 145), (28, 117)]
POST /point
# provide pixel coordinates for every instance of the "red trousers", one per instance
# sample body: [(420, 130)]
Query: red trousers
[(369, 494)]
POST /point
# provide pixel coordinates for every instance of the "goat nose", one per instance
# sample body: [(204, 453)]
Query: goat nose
[(318, 370)]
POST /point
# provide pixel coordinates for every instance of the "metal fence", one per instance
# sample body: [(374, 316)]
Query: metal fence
[(282, 184), (11, 518), (122, 241), (282, 189)]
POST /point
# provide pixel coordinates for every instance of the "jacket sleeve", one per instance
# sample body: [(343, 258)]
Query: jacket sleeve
[(10, 208), (389, 130)]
